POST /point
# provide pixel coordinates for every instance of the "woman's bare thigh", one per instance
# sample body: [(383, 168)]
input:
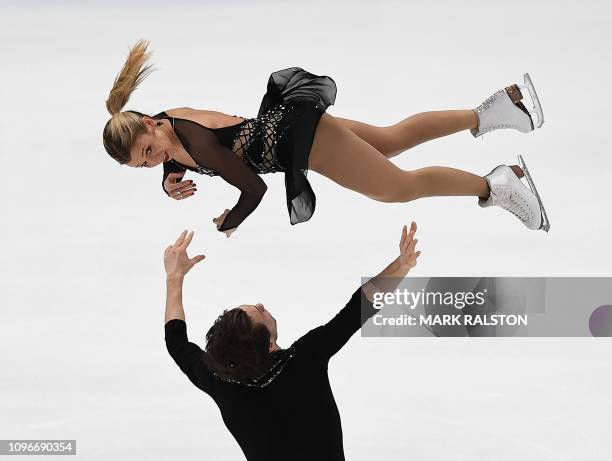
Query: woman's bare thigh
[(348, 160)]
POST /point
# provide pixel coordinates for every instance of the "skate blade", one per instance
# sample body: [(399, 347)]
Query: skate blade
[(545, 226), (537, 107)]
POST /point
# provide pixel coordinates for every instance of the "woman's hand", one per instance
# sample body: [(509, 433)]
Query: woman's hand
[(219, 222), (176, 261), (178, 189)]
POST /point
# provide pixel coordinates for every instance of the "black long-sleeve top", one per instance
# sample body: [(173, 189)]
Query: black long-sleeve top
[(215, 159), (295, 416)]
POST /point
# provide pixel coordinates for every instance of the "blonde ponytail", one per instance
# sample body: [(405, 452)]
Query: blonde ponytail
[(123, 128), (134, 71)]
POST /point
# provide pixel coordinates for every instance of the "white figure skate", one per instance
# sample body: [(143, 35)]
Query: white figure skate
[(504, 109), (508, 192)]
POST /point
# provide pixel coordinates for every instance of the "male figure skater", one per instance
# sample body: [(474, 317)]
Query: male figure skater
[(277, 403)]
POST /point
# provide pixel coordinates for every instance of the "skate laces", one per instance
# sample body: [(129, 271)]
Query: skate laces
[(518, 207), (487, 102), (495, 125)]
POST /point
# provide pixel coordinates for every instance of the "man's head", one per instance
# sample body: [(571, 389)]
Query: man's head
[(239, 343)]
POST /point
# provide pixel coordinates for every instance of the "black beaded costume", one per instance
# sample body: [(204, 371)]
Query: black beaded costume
[(278, 139), (289, 413)]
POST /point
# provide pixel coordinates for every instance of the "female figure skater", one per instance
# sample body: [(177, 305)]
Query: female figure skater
[(293, 134), (277, 403)]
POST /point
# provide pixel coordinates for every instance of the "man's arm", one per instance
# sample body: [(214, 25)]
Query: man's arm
[(323, 342), (174, 298), (177, 265), (187, 355)]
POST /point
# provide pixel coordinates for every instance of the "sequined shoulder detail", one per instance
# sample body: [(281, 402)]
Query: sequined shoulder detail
[(280, 359)]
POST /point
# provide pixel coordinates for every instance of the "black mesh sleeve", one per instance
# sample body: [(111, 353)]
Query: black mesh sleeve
[(207, 151)]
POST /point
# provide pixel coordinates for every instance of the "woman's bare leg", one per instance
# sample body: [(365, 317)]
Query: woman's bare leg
[(348, 160), (412, 131)]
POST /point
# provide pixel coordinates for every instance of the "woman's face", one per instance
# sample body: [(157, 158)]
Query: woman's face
[(152, 147)]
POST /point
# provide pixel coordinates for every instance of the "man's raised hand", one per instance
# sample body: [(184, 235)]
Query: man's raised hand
[(176, 261), (408, 256)]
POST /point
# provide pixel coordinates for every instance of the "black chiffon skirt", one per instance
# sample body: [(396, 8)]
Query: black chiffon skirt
[(306, 96)]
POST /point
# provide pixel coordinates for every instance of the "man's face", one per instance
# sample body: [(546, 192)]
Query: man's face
[(259, 315)]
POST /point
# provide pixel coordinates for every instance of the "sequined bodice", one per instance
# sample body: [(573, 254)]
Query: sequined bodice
[(254, 140), (257, 141)]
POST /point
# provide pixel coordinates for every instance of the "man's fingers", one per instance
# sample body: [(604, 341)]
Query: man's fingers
[(180, 238), (187, 240), (196, 259), (408, 235), (412, 232), (404, 245), (406, 242), (412, 245)]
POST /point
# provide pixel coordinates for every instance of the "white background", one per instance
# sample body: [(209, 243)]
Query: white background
[(82, 281)]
